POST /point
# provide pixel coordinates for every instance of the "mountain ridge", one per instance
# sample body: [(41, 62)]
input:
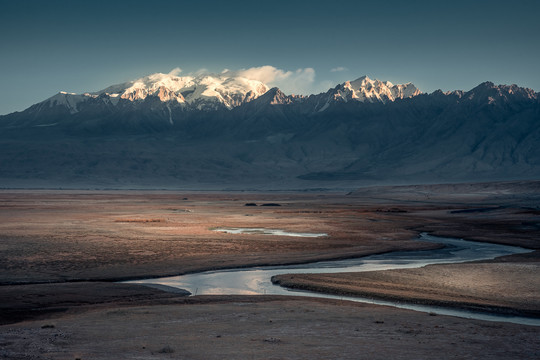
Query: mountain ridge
[(209, 91), (274, 140)]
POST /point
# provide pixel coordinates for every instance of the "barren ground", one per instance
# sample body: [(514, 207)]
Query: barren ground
[(60, 250), (66, 236), (265, 328)]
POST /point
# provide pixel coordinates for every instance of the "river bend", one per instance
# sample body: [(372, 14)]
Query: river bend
[(256, 280)]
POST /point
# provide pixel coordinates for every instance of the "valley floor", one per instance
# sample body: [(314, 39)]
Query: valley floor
[(62, 250), (264, 328)]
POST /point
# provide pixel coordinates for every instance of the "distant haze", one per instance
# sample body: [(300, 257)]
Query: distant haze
[(308, 46)]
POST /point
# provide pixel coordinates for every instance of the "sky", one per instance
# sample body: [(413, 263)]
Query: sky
[(301, 46)]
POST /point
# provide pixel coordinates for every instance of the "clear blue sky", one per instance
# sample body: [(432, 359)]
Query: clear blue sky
[(78, 46)]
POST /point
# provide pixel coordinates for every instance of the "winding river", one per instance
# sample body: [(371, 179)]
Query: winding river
[(256, 280)]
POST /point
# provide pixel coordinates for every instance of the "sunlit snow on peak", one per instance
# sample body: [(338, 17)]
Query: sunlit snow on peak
[(365, 89), (199, 91)]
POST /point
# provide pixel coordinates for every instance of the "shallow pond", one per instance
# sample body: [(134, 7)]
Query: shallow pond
[(263, 231)]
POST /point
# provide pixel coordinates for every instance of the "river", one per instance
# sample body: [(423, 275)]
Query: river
[(256, 280)]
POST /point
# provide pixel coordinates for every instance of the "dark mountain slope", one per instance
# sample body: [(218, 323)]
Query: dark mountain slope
[(276, 141)]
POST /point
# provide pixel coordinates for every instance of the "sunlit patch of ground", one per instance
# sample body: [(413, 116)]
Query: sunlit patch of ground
[(56, 236)]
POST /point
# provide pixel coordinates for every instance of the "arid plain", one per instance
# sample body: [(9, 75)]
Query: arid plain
[(62, 253)]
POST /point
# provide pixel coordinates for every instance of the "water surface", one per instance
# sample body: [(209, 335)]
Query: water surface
[(256, 280), (263, 231)]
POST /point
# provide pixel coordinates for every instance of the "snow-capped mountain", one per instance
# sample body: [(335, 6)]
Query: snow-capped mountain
[(203, 92), (366, 90), (210, 92), (362, 90), (232, 132)]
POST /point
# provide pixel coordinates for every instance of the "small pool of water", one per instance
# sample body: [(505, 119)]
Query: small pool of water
[(262, 231)]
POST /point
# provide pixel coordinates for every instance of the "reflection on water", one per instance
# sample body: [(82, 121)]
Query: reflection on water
[(256, 280), (262, 231)]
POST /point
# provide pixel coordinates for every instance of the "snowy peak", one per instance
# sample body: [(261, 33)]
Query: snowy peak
[(203, 92), (230, 91), (275, 96), (366, 90), (165, 87)]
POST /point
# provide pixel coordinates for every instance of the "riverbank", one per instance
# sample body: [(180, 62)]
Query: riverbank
[(509, 288), (42, 301)]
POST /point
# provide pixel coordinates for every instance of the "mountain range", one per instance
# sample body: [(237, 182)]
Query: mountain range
[(225, 131)]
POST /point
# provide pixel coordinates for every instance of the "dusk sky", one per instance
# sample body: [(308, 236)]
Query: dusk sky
[(79, 46)]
